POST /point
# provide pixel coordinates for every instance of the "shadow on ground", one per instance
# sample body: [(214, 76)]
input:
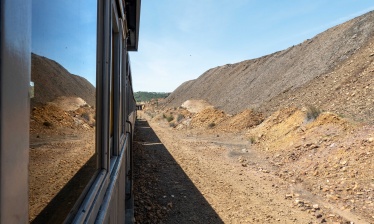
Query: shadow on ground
[(163, 191)]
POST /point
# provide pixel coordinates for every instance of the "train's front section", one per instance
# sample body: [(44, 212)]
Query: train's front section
[(67, 110)]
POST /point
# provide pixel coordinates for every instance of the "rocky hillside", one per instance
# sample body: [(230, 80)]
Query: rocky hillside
[(51, 81), (333, 71)]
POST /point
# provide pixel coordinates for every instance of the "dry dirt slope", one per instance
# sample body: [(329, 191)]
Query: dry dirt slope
[(325, 161), (62, 137), (51, 81), (253, 83)]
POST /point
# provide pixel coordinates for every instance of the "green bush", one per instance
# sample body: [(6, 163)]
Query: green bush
[(252, 139), (86, 116), (211, 125), (47, 124), (312, 112), (170, 118), (179, 117)]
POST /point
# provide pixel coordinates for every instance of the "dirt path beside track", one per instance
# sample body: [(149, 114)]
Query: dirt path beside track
[(201, 180)]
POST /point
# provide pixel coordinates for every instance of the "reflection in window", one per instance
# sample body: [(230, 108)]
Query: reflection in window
[(62, 116)]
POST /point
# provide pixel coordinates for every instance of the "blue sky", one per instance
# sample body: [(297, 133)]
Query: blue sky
[(180, 40), (66, 34)]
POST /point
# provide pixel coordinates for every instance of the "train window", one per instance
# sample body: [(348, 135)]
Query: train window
[(63, 158), (115, 82), (123, 88), (111, 101)]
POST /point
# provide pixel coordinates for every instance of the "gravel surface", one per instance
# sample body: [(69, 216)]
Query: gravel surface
[(288, 169), (163, 191), (333, 71)]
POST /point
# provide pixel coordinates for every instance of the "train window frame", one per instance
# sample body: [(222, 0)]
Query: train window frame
[(92, 202), (116, 77), (123, 87), (111, 45), (49, 211)]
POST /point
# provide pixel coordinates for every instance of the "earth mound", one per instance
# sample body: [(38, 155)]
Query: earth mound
[(325, 158), (332, 71), (208, 117), (51, 81), (241, 121), (45, 119), (69, 103), (195, 106), (304, 115)]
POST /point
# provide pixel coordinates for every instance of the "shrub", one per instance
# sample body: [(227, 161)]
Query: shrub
[(86, 116), (312, 112), (179, 117), (252, 139), (211, 125), (47, 124), (172, 124), (170, 118)]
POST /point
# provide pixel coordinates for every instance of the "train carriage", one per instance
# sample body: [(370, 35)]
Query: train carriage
[(107, 196)]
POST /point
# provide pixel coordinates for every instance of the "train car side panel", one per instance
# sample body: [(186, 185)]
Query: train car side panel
[(15, 69)]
